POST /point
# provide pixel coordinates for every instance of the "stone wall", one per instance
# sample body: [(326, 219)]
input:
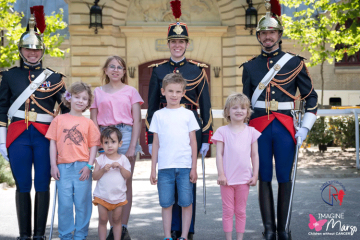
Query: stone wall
[(216, 27), (89, 51)]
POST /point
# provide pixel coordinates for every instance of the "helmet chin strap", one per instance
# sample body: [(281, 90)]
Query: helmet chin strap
[(27, 61), (184, 53), (30, 63), (268, 49)]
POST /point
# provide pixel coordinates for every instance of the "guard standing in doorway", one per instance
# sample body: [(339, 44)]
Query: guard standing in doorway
[(196, 97)]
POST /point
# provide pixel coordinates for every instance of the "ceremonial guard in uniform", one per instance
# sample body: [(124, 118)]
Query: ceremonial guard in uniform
[(271, 80), (28, 95), (196, 97)]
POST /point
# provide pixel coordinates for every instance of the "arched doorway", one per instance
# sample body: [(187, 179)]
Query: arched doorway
[(144, 79)]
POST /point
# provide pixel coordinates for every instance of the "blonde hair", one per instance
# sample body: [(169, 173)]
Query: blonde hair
[(174, 78), (237, 98), (105, 78), (76, 88)]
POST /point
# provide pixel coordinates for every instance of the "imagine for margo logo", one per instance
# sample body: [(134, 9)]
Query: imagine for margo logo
[(333, 190), (331, 222)]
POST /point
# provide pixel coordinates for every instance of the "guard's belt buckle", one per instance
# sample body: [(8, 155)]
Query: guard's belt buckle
[(274, 105), (183, 105), (32, 116)]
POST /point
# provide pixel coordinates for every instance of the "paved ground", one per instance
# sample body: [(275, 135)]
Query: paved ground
[(314, 170)]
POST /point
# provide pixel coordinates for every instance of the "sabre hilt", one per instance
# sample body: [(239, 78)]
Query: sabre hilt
[(298, 114)]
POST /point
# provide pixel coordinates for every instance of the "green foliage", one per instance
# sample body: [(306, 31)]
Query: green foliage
[(314, 33), (321, 132), (10, 24), (344, 131), (340, 130), (5, 172)]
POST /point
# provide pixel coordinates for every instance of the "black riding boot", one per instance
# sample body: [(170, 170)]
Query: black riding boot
[(42, 200), (266, 202), (23, 208), (175, 234), (282, 210)]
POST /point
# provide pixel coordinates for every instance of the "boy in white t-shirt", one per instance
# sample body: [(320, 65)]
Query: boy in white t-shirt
[(175, 150)]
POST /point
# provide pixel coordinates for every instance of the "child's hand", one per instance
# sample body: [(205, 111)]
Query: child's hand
[(252, 181), (107, 167), (55, 173), (85, 173), (153, 179), (193, 175), (222, 180), (116, 165)]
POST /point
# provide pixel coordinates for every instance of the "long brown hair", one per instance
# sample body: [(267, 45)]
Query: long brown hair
[(105, 78)]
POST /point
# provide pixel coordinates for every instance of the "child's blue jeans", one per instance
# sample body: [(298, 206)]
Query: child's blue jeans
[(170, 178), (72, 191)]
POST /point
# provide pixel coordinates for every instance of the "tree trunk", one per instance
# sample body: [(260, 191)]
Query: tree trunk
[(322, 72), (322, 83)]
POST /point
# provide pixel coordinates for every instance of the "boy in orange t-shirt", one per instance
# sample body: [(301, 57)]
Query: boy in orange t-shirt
[(71, 135)]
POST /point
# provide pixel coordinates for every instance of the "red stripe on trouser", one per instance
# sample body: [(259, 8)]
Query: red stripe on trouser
[(234, 198)]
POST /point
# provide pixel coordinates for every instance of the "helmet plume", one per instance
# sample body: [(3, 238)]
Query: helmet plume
[(176, 9), (39, 17)]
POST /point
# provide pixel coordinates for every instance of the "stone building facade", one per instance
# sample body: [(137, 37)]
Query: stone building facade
[(136, 30)]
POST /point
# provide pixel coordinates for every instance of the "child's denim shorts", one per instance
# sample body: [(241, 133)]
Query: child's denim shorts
[(167, 180), (126, 131)]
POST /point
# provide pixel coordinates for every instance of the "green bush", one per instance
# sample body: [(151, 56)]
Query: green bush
[(340, 130), (321, 132), (5, 172), (344, 131)]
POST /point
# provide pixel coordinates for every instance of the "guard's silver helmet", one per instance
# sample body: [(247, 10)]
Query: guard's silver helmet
[(271, 21), (31, 39)]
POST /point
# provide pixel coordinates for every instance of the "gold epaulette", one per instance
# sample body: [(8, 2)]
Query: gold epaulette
[(203, 65), (157, 64), (296, 55), (56, 72), (250, 59)]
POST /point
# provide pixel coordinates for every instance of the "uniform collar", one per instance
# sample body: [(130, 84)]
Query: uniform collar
[(31, 67), (177, 64), (271, 54)]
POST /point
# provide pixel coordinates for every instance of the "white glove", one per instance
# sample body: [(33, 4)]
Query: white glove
[(3, 151), (150, 149), (302, 133), (204, 149)]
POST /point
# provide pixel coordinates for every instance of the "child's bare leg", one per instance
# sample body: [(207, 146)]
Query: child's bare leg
[(167, 217), (239, 236), (228, 235), (116, 220), (110, 217), (186, 220), (103, 219)]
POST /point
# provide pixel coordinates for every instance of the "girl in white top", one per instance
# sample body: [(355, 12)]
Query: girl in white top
[(111, 168)]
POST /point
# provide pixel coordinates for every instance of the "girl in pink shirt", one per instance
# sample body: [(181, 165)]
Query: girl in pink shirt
[(118, 104), (236, 144)]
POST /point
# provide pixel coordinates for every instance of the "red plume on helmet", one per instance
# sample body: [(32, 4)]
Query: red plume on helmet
[(275, 7), (176, 9), (39, 17)]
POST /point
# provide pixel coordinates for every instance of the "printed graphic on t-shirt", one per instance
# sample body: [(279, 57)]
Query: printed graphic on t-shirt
[(74, 135)]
